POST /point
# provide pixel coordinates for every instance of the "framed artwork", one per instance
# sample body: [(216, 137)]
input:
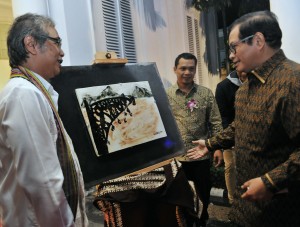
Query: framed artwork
[(118, 117)]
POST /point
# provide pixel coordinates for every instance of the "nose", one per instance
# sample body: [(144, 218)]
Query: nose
[(231, 55), (62, 53), (187, 71)]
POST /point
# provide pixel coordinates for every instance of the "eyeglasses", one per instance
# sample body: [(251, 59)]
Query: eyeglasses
[(57, 40), (232, 46)]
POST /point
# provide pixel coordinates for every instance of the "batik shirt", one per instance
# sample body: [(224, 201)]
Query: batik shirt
[(266, 133), (199, 120)]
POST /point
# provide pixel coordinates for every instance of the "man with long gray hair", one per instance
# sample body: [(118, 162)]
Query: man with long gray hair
[(40, 178)]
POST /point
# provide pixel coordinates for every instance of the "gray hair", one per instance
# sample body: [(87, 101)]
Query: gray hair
[(26, 25)]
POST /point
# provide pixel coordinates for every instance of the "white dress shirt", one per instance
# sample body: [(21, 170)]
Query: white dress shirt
[(31, 177)]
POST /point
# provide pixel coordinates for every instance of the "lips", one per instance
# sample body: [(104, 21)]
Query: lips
[(60, 61), (235, 63)]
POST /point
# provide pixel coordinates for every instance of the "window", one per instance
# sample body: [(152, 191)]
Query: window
[(118, 28), (197, 39), (194, 44)]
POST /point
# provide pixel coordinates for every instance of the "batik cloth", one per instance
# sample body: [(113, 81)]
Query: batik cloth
[(164, 185)]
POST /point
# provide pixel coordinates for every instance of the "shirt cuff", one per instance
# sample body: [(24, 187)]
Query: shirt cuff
[(208, 145), (269, 183)]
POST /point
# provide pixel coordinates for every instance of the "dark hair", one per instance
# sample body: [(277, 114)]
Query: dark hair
[(185, 56), (260, 21), (26, 25)]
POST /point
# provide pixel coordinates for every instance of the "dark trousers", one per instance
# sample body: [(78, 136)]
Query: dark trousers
[(148, 213), (199, 173)]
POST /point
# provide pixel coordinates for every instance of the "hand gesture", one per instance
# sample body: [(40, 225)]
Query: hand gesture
[(199, 151), (218, 158), (256, 190)]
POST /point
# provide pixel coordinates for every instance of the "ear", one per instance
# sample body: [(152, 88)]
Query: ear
[(30, 44), (174, 69), (259, 40)]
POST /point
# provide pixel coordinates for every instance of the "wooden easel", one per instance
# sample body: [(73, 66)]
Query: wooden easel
[(108, 58)]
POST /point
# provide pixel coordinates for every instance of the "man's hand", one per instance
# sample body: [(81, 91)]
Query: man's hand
[(218, 158), (256, 190), (199, 151)]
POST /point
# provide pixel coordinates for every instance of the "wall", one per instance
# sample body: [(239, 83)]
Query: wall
[(79, 30), (159, 34), (83, 34), (6, 18), (163, 42), (4, 72), (73, 22), (159, 38), (288, 15)]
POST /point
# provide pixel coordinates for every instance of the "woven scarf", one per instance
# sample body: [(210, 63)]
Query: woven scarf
[(70, 184)]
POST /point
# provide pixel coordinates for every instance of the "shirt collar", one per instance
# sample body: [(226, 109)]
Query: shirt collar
[(177, 89), (49, 88), (264, 71), (233, 77)]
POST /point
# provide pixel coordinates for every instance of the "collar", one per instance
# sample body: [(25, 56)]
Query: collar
[(40, 83), (233, 78), (177, 89), (264, 71), (49, 88), (45, 83)]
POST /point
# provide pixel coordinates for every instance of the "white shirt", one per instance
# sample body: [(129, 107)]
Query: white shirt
[(31, 177)]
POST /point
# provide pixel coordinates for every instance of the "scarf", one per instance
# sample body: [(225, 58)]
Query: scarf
[(70, 184)]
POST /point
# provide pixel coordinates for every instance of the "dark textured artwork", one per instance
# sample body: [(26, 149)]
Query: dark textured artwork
[(120, 116)]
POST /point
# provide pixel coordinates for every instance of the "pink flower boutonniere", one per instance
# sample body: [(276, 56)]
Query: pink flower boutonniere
[(192, 104)]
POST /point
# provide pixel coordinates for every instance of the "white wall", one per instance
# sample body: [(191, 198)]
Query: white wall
[(79, 22), (98, 26), (34, 6), (80, 25), (288, 16), (73, 20), (4, 73), (79, 30), (165, 43)]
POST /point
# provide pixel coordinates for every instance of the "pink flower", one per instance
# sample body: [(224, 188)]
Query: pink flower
[(192, 104)]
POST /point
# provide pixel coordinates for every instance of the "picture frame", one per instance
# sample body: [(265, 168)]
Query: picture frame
[(99, 168)]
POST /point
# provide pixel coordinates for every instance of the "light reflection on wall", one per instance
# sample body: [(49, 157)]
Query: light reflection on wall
[(6, 18)]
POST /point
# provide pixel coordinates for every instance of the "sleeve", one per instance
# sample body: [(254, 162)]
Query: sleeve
[(222, 105), (214, 117), (288, 173), (27, 121), (223, 140)]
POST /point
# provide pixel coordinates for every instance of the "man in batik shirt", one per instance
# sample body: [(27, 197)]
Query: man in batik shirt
[(266, 130), (197, 116)]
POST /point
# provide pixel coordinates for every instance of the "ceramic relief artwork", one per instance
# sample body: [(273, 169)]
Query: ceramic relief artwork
[(120, 116)]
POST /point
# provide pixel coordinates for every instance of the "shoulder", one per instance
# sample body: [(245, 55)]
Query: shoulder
[(223, 84), (204, 94), (287, 73), (203, 91), (172, 89), (292, 68), (20, 86), (19, 90)]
